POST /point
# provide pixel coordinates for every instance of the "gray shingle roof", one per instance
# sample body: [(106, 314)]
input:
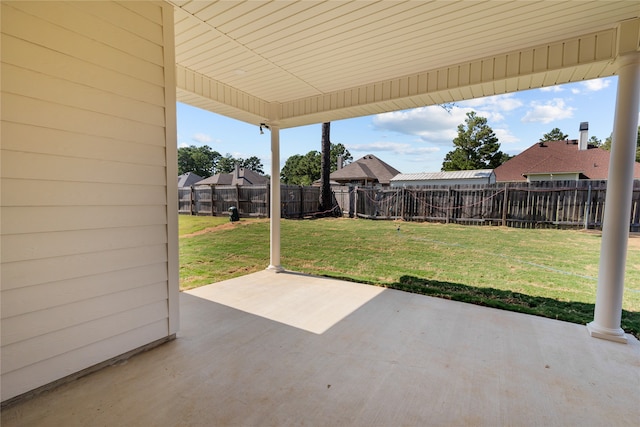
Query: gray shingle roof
[(368, 167), (241, 176), (188, 179)]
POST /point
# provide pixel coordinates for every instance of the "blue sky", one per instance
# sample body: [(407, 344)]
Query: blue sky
[(417, 140)]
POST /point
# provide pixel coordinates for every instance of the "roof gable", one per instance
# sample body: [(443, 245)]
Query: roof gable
[(188, 179), (240, 176), (217, 179), (248, 177), (368, 167)]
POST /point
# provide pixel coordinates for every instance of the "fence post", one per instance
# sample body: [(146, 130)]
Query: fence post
[(301, 213), (505, 204), (268, 200), (238, 198), (402, 202), (587, 212), (211, 192), (355, 202), (192, 200), (448, 208)]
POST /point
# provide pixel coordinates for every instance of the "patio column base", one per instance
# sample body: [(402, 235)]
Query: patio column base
[(616, 335), (275, 268)]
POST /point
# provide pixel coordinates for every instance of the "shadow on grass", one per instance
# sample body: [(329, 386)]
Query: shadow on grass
[(568, 311)]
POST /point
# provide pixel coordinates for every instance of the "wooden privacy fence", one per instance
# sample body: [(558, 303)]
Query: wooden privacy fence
[(557, 204), (550, 204), (251, 200), (299, 201)]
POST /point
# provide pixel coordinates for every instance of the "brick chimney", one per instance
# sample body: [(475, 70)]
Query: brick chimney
[(340, 161)]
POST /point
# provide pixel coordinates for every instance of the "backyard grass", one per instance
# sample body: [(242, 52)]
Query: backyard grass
[(193, 224), (551, 273)]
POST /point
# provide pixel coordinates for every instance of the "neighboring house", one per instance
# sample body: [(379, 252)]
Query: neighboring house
[(557, 161), (368, 170), (188, 179), (466, 177), (240, 176)]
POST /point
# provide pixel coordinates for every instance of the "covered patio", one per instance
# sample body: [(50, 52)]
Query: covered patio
[(289, 349), (89, 93)]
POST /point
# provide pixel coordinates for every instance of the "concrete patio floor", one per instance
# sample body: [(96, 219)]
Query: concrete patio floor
[(291, 350)]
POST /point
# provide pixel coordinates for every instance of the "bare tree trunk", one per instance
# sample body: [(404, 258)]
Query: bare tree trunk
[(325, 198)]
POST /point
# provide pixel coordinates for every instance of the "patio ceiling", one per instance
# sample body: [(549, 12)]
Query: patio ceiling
[(298, 63)]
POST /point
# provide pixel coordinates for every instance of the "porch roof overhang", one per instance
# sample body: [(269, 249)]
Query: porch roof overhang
[(299, 63)]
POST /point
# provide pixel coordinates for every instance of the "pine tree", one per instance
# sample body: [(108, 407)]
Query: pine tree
[(477, 147)]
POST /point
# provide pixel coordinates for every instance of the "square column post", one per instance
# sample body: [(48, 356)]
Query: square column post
[(615, 230)]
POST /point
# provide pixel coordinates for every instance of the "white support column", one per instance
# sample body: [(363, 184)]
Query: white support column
[(615, 230), (274, 263)]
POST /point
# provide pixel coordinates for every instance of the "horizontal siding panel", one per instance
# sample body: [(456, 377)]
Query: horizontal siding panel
[(40, 59), (21, 192), (49, 370), (103, 32), (20, 81), (32, 139), (37, 323), (87, 265), (24, 353), (43, 33), (59, 168), (33, 246), (24, 300), (143, 8), (73, 266), (20, 109), (16, 220), (135, 23)]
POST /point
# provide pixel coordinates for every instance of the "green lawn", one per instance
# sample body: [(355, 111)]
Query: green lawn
[(552, 273)]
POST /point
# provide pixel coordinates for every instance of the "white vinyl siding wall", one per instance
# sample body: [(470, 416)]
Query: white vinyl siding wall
[(571, 176), (88, 267)]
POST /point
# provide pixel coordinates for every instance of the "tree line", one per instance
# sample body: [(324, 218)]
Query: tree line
[(205, 162), (298, 170), (305, 169), (475, 147)]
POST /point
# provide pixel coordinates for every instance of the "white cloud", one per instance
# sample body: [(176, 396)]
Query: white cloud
[(552, 89), (596, 84), (548, 112), (393, 147), (437, 126), (493, 105), (183, 145), (505, 136), (202, 138), (589, 86), (433, 125)]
